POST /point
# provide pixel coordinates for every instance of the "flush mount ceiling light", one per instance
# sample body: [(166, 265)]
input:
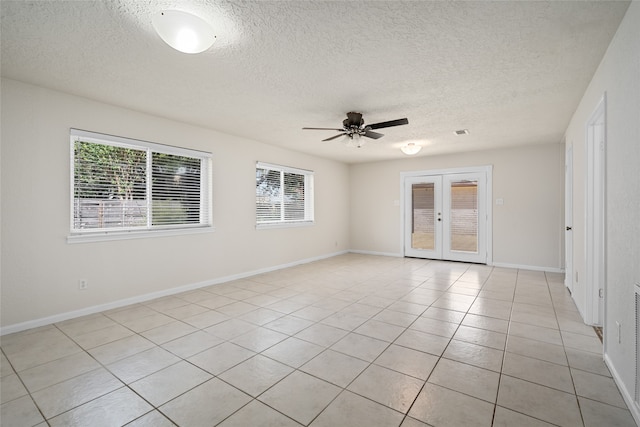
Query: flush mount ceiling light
[(410, 149), (183, 31)]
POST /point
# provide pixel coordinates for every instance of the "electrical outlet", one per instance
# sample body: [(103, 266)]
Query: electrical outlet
[(83, 284)]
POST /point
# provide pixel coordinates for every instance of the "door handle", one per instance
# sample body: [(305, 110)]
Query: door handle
[(569, 228)]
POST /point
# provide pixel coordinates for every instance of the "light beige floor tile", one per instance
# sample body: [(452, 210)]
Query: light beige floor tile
[(408, 307), (125, 314), (596, 414), (26, 351), (206, 405), (261, 316), (488, 323), (57, 371), (220, 358), (102, 336), (165, 303), (257, 374), (491, 308), (538, 371), (380, 330), (192, 344), (68, 394), (237, 308), (313, 313), (289, 325), (547, 404), (147, 322), (346, 321), (300, 396), (396, 318), (336, 368), (205, 319), (164, 385), (476, 355), (537, 349), (11, 388), (114, 409), (287, 306), (551, 336), (215, 301), (168, 332), (230, 329), (444, 315), (439, 406), (424, 342), (352, 410), (120, 349), (257, 413), (293, 351), (390, 388), (597, 387), (481, 337), (83, 325), (477, 382), (151, 419), (259, 339), (5, 366), (407, 361), (142, 364), (587, 361), (20, 412), (412, 422), (582, 342), (435, 327), (360, 346), (545, 321), (323, 335), (194, 296), (507, 418)]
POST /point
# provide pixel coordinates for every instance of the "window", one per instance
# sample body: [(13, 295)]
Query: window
[(284, 196), (122, 186)]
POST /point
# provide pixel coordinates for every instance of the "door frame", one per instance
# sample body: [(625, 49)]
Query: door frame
[(595, 220), (568, 217), (487, 170)]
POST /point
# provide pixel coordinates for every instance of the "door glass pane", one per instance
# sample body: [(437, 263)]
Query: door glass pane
[(464, 216), (423, 228)]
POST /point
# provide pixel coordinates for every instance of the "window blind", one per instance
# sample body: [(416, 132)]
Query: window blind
[(283, 195)]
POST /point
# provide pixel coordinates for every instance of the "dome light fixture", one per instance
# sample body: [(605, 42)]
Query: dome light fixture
[(183, 31), (410, 149)]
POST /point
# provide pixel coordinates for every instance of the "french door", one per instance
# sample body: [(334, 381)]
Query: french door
[(446, 217)]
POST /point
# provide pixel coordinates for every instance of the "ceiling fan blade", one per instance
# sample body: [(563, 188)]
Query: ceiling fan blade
[(323, 129), (389, 124), (353, 119), (333, 137), (374, 135)]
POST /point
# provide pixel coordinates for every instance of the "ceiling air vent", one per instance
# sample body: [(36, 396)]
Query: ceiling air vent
[(462, 132)]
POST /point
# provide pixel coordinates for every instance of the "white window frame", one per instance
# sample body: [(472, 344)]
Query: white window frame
[(309, 218), (119, 233)]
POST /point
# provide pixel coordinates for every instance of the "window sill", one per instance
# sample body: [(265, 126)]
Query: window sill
[(134, 234), (271, 225)]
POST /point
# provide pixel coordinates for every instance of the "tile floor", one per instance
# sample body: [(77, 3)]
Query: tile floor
[(353, 340)]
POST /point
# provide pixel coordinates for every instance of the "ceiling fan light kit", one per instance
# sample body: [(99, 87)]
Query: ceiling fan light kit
[(411, 148), (183, 31), (353, 127)]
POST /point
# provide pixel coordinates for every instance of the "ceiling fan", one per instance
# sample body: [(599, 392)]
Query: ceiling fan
[(353, 127)]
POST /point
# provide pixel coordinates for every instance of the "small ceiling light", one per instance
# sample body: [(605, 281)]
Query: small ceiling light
[(410, 149), (183, 31), (462, 132)]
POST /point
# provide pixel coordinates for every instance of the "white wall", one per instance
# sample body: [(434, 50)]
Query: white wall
[(617, 75), (527, 229), (40, 270)]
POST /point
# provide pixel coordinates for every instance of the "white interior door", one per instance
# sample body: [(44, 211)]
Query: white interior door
[(446, 217)]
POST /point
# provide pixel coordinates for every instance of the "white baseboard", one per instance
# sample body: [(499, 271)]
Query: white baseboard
[(528, 267), (18, 327), (626, 394), (391, 254)]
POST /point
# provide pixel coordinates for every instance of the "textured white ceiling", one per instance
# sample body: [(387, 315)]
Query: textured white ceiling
[(510, 72)]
